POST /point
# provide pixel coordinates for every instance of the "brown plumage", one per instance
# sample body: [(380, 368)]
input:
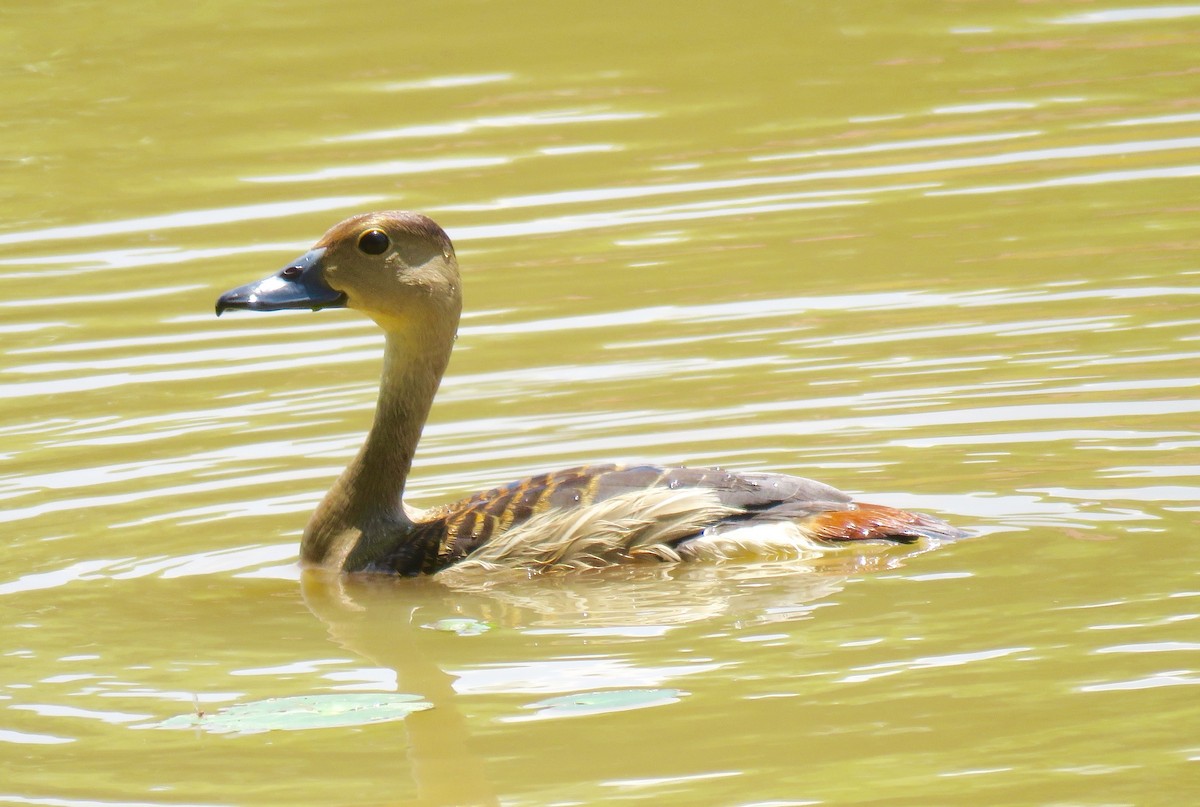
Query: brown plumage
[(399, 268)]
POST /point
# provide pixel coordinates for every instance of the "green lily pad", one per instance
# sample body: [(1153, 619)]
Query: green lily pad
[(593, 703), (301, 712), (460, 625)]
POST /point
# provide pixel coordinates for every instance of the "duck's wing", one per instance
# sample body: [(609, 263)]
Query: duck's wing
[(597, 515)]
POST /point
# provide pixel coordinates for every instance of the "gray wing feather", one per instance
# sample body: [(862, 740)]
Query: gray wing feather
[(779, 495)]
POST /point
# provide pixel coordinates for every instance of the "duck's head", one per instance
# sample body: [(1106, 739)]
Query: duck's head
[(396, 267)]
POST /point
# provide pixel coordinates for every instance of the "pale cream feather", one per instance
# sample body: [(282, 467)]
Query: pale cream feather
[(637, 525)]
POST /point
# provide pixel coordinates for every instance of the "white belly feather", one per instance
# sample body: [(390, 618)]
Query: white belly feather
[(767, 540)]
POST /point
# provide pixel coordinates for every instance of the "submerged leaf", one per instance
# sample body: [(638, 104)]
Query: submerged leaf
[(301, 712), (591, 703)]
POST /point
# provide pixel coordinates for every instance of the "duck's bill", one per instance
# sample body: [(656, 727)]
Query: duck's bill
[(300, 284)]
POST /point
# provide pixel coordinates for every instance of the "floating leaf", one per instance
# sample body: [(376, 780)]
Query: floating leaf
[(460, 625), (301, 712), (592, 703)]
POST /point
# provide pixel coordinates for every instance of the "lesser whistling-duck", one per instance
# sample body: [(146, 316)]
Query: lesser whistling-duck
[(399, 269)]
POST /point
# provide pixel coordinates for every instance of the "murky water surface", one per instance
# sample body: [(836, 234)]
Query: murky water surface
[(944, 253)]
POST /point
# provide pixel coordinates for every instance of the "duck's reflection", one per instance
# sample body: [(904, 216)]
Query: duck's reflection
[(365, 613), (648, 616)]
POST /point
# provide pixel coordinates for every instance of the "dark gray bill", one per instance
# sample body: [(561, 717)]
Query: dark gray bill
[(298, 285)]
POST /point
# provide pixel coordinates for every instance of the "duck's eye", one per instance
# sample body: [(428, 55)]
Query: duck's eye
[(374, 242)]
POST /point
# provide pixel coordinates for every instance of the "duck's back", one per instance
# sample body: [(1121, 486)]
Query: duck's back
[(598, 515)]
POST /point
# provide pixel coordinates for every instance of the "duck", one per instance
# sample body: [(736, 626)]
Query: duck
[(399, 269)]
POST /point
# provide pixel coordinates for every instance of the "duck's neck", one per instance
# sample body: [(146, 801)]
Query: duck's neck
[(362, 517)]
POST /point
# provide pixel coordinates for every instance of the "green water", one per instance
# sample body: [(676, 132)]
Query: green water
[(941, 253)]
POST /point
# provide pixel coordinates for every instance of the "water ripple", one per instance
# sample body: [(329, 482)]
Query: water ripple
[(191, 218)]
